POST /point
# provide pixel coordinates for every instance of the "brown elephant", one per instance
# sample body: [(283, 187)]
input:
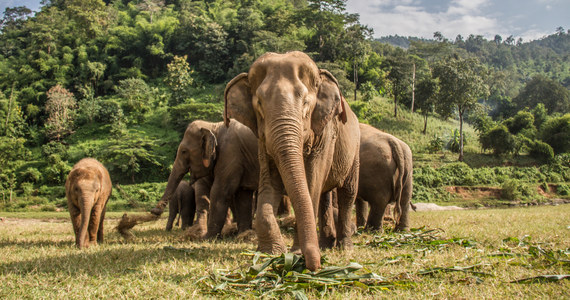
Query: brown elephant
[(183, 205), (385, 177), (308, 144), (222, 162), (88, 188)]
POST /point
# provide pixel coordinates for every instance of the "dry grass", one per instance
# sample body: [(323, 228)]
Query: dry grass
[(38, 259)]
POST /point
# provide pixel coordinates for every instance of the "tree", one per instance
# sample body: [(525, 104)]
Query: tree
[(60, 109), (179, 79), (554, 96), (400, 74), (426, 94), (556, 132), (461, 85)]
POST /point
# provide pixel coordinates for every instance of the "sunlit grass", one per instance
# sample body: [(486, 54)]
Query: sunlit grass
[(38, 259)]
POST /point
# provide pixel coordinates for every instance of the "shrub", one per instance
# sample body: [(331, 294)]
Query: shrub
[(56, 171), (368, 91), (31, 175), (27, 189), (110, 112), (563, 189), (556, 133), (435, 145), (181, 115), (499, 139), (517, 190), (55, 148), (541, 150), (522, 120), (137, 95)]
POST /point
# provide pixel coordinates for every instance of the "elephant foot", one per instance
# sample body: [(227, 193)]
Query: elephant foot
[(275, 248), (327, 242), (195, 233), (312, 258), (230, 229), (402, 228), (247, 236), (156, 211), (345, 244)]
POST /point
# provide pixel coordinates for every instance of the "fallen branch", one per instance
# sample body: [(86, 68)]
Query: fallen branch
[(128, 223)]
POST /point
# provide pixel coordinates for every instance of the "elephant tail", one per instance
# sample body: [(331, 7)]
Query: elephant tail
[(398, 184)]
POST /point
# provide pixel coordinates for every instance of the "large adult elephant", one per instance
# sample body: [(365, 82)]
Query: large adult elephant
[(223, 165), (308, 144), (385, 177)]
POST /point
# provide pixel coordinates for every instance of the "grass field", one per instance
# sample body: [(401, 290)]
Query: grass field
[(497, 246)]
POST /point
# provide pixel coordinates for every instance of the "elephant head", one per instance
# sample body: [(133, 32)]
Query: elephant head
[(287, 101), (196, 154)]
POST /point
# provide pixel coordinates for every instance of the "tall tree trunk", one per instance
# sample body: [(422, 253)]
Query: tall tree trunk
[(425, 124), (355, 78), (413, 86), (395, 106), (461, 134), (9, 109)]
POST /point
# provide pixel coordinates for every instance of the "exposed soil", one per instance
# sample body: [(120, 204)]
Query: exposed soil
[(491, 196)]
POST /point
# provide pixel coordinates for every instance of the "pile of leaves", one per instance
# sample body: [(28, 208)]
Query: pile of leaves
[(287, 274)]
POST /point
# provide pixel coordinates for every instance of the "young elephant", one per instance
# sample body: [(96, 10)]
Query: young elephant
[(223, 165), (183, 204), (385, 177), (87, 188)]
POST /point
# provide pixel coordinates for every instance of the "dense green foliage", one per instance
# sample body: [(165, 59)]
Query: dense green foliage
[(120, 81)]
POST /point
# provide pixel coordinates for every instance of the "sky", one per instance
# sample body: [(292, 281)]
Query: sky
[(529, 19)]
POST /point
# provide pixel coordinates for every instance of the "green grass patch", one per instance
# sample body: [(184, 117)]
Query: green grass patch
[(491, 253)]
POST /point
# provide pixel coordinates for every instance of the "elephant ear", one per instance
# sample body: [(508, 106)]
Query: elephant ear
[(209, 143), (238, 102), (330, 103)]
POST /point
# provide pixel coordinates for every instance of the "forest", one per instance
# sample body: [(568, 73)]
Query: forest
[(120, 80)]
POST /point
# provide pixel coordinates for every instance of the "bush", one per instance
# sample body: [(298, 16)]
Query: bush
[(181, 115), (137, 95), (27, 189), (556, 133), (110, 112), (517, 190), (563, 189), (55, 148), (541, 151), (522, 120), (56, 171), (498, 139), (435, 145), (31, 175)]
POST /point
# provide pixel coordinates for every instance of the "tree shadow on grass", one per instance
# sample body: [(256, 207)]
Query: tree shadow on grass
[(116, 256)]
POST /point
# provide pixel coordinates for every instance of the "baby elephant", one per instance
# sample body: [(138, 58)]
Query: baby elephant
[(183, 204), (87, 189)]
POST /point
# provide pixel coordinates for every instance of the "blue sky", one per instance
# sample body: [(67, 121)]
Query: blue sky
[(529, 19)]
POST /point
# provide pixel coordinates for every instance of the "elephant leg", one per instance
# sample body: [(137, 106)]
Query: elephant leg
[(269, 239), (402, 223), (221, 195), (191, 208), (75, 214), (346, 196), (172, 212), (327, 230), (94, 222), (361, 212), (101, 231), (243, 202), (376, 215), (201, 195)]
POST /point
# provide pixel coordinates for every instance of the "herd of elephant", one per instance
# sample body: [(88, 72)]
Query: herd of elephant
[(287, 133)]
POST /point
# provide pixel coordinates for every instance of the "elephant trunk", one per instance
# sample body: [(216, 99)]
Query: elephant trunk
[(86, 206), (287, 152), (178, 172)]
